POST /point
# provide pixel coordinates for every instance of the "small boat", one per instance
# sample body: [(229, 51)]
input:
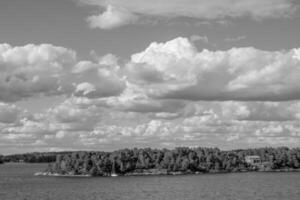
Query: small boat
[(114, 175), (40, 174)]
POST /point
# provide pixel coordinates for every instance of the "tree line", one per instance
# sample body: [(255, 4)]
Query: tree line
[(35, 157), (1, 159), (181, 160)]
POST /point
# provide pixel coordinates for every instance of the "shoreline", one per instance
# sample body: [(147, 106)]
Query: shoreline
[(159, 174), (61, 175)]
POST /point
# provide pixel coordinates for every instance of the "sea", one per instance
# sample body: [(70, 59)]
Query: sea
[(17, 182)]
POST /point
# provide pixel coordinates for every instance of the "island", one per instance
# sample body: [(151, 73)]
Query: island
[(181, 160)]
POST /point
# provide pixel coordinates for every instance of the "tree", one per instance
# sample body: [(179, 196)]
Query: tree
[(1, 159), (180, 159)]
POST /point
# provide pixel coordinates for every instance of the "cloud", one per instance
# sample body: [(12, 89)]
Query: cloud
[(120, 12), (10, 113), (72, 116), (177, 70), (46, 70), (261, 111), (31, 70), (195, 38), (84, 66), (102, 79), (236, 39), (111, 18), (79, 123), (85, 88), (168, 95)]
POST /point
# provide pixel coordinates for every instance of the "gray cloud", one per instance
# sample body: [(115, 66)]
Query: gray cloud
[(47, 70), (10, 113), (33, 69), (242, 74), (123, 12), (111, 18), (235, 39), (169, 94)]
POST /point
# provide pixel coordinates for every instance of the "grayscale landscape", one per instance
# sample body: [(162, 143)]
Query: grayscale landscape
[(160, 99)]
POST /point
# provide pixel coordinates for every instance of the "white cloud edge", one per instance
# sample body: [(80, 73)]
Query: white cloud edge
[(120, 13)]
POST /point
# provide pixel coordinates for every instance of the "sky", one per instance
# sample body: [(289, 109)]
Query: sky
[(113, 74)]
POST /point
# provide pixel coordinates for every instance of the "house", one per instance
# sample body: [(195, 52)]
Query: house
[(253, 160)]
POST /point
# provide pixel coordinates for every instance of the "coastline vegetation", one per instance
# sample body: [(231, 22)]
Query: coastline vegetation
[(1, 159), (35, 157), (181, 160)]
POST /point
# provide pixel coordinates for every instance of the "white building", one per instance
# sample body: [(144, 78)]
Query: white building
[(253, 160)]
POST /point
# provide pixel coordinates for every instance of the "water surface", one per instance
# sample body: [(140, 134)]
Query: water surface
[(18, 183)]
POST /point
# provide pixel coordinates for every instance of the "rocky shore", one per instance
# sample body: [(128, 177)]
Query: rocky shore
[(60, 175), (154, 172)]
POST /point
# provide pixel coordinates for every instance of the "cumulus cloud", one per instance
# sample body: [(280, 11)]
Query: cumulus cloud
[(32, 70), (47, 70), (79, 123), (177, 70), (120, 12), (195, 38), (168, 95), (261, 111), (10, 113), (134, 99), (84, 66), (102, 79), (112, 17), (85, 88)]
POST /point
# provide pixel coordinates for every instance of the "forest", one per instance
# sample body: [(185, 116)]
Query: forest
[(1, 159), (177, 161), (35, 157)]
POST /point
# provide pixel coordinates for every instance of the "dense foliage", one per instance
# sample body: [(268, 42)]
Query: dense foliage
[(1, 159), (181, 160), (35, 157)]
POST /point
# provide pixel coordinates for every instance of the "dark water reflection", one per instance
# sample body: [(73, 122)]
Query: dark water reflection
[(18, 183)]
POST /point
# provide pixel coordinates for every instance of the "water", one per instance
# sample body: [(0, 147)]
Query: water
[(18, 183)]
